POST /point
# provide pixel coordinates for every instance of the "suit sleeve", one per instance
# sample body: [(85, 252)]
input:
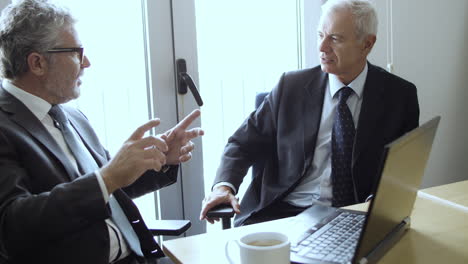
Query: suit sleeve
[(253, 140), (412, 109), (27, 219), (151, 181)]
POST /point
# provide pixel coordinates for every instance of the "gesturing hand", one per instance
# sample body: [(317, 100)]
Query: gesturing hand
[(136, 155), (178, 139)]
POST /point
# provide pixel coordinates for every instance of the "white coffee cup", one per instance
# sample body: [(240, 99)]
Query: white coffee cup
[(261, 247)]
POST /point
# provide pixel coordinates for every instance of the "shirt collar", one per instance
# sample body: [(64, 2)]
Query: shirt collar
[(357, 84), (38, 106)]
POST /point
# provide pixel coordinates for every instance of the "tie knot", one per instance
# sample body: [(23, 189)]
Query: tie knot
[(344, 93), (58, 114)]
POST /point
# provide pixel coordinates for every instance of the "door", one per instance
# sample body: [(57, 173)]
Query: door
[(171, 36)]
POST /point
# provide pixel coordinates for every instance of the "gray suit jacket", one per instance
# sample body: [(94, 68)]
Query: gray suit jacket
[(282, 134), (48, 213)]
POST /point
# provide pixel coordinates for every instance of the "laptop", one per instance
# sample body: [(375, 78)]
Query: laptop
[(345, 236)]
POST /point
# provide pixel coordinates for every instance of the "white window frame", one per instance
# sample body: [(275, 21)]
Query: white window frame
[(171, 35)]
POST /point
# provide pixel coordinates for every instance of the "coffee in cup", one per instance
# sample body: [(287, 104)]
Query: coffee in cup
[(261, 247)]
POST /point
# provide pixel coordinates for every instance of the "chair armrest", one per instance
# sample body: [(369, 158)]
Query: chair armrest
[(168, 227), (222, 211)]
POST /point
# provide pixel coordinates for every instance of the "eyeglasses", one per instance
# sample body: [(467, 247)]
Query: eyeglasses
[(80, 51)]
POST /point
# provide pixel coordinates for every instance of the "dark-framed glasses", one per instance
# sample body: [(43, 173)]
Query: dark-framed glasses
[(79, 50)]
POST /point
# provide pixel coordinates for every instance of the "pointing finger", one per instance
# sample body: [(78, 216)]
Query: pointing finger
[(183, 125), (140, 131), (188, 120)]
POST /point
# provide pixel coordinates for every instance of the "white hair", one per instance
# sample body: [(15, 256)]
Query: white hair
[(29, 26), (364, 13)]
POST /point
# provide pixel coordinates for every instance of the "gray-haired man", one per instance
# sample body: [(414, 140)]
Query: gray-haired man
[(320, 132), (62, 198)]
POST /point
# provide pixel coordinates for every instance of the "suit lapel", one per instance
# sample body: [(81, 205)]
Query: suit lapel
[(313, 105), (21, 115), (371, 109)]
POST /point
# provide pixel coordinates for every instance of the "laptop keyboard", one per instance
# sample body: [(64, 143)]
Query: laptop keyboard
[(335, 242)]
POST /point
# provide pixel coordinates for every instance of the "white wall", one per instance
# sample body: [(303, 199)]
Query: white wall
[(429, 39), (425, 42), (4, 3)]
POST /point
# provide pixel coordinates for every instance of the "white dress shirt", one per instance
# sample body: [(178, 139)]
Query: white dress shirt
[(316, 187), (40, 108)]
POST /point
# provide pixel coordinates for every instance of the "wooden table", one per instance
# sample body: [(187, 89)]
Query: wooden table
[(455, 193), (438, 234)]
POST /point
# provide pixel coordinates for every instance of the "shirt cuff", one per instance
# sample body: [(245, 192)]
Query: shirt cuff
[(165, 168), (102, 185), (225, 184)]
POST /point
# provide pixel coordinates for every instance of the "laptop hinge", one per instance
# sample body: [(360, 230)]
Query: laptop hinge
[(389, 240)]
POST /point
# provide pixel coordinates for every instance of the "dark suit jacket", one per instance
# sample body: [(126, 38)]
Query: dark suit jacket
[(48, 213), (282, 133)]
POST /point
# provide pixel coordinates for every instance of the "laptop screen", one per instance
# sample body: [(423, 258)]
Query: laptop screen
[(404, 164)]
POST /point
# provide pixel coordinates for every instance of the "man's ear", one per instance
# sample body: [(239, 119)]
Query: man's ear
[(369, 42), (37, 64)]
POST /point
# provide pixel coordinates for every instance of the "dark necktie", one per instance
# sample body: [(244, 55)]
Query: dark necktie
[(84, 160), (342, 149), (87, 164)]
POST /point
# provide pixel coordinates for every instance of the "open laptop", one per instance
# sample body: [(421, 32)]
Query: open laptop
[(344, 236)]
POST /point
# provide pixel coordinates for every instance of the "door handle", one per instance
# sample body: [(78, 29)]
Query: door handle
[(184, 80)]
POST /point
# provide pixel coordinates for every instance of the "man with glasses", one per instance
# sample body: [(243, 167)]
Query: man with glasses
[(62, 198)]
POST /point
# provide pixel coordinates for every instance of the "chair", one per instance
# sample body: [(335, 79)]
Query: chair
[(225, 211), (168, 227), (157, 228)]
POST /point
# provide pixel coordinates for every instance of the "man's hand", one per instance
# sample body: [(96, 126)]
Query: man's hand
[(178, 140), (220, 195), (137, 155)]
